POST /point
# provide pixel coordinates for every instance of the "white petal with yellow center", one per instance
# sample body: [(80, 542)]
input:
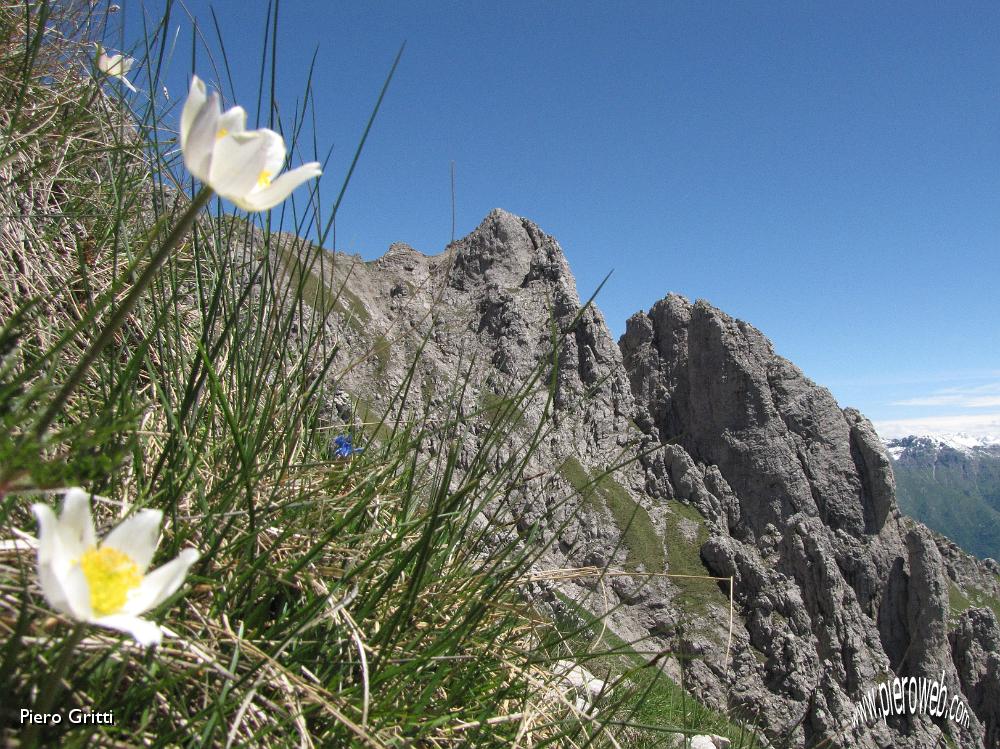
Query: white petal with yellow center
[(238, 164), (105, 584)]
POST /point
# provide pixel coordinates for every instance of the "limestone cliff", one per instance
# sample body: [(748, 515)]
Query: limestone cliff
[(835, 588)]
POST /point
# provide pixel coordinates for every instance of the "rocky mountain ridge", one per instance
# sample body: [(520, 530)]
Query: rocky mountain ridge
[(960, 441), (733, 465)]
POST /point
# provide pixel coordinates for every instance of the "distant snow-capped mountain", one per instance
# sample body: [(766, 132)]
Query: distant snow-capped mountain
[(956, 441), (951, 482)]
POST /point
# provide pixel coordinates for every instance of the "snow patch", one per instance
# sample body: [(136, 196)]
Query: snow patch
[(961, 441)]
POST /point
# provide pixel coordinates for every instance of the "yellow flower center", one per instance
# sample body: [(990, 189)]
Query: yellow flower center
[(110, 574), (264, 179), (221, 134)]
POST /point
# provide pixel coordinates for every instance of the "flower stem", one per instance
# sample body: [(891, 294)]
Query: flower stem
[(122, 311), (51, 688)]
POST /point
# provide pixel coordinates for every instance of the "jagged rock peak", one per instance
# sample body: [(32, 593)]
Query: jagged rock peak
[(803, 517), (833, 589), (715, 385), (402, 248), (508, 251)]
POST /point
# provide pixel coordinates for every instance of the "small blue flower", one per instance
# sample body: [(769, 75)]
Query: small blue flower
[(343, 447)]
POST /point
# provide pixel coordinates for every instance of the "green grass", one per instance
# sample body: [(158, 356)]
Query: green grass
[(496, 406), (352, 306), (313, 291), (303, 272), (960, 602), (957, 600), (697, 596), (335, 603), (577, 476), (374, 421), (654, 706), (382, 351), (982, 598), (643, 545)]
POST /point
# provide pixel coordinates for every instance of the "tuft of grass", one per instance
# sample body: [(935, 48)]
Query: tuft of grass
[(382, 350), (353, 306), (644, 547), (352, 602), (496, 406), (313, 291), (686, 533), (650, 705), (375, 422), (983, 599), (959, 602), (579, 478), (336, 602)]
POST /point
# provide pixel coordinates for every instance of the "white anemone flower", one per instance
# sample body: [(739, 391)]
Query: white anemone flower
[(239, 164), (105, 583), (115, 65)]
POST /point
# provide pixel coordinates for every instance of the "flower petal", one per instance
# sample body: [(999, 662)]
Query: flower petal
[(54, 592), (52, 561), (145, 632), (197, 96), (232, 121), (76, 527), (47, 532), (74, 584), (281, 188), (128, 84), (200, 143), (240, 160), (160, 584), (137, 536), (274, 159)]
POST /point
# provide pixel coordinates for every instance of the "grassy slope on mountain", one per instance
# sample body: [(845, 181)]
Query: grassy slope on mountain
[(646, 696)]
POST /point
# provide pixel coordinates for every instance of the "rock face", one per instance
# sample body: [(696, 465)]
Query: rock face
[(835, 587), (975, 645), (736, 466)]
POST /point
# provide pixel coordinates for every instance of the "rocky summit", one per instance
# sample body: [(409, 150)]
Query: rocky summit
[(734, 465)]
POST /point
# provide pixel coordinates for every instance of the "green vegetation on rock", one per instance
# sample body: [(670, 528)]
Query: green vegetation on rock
[(686, 532), (974, 598), (956, 493), (643, 544), (496, 406), (656, 708)]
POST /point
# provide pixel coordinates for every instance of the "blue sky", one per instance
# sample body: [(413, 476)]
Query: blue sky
[(829, 172)]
